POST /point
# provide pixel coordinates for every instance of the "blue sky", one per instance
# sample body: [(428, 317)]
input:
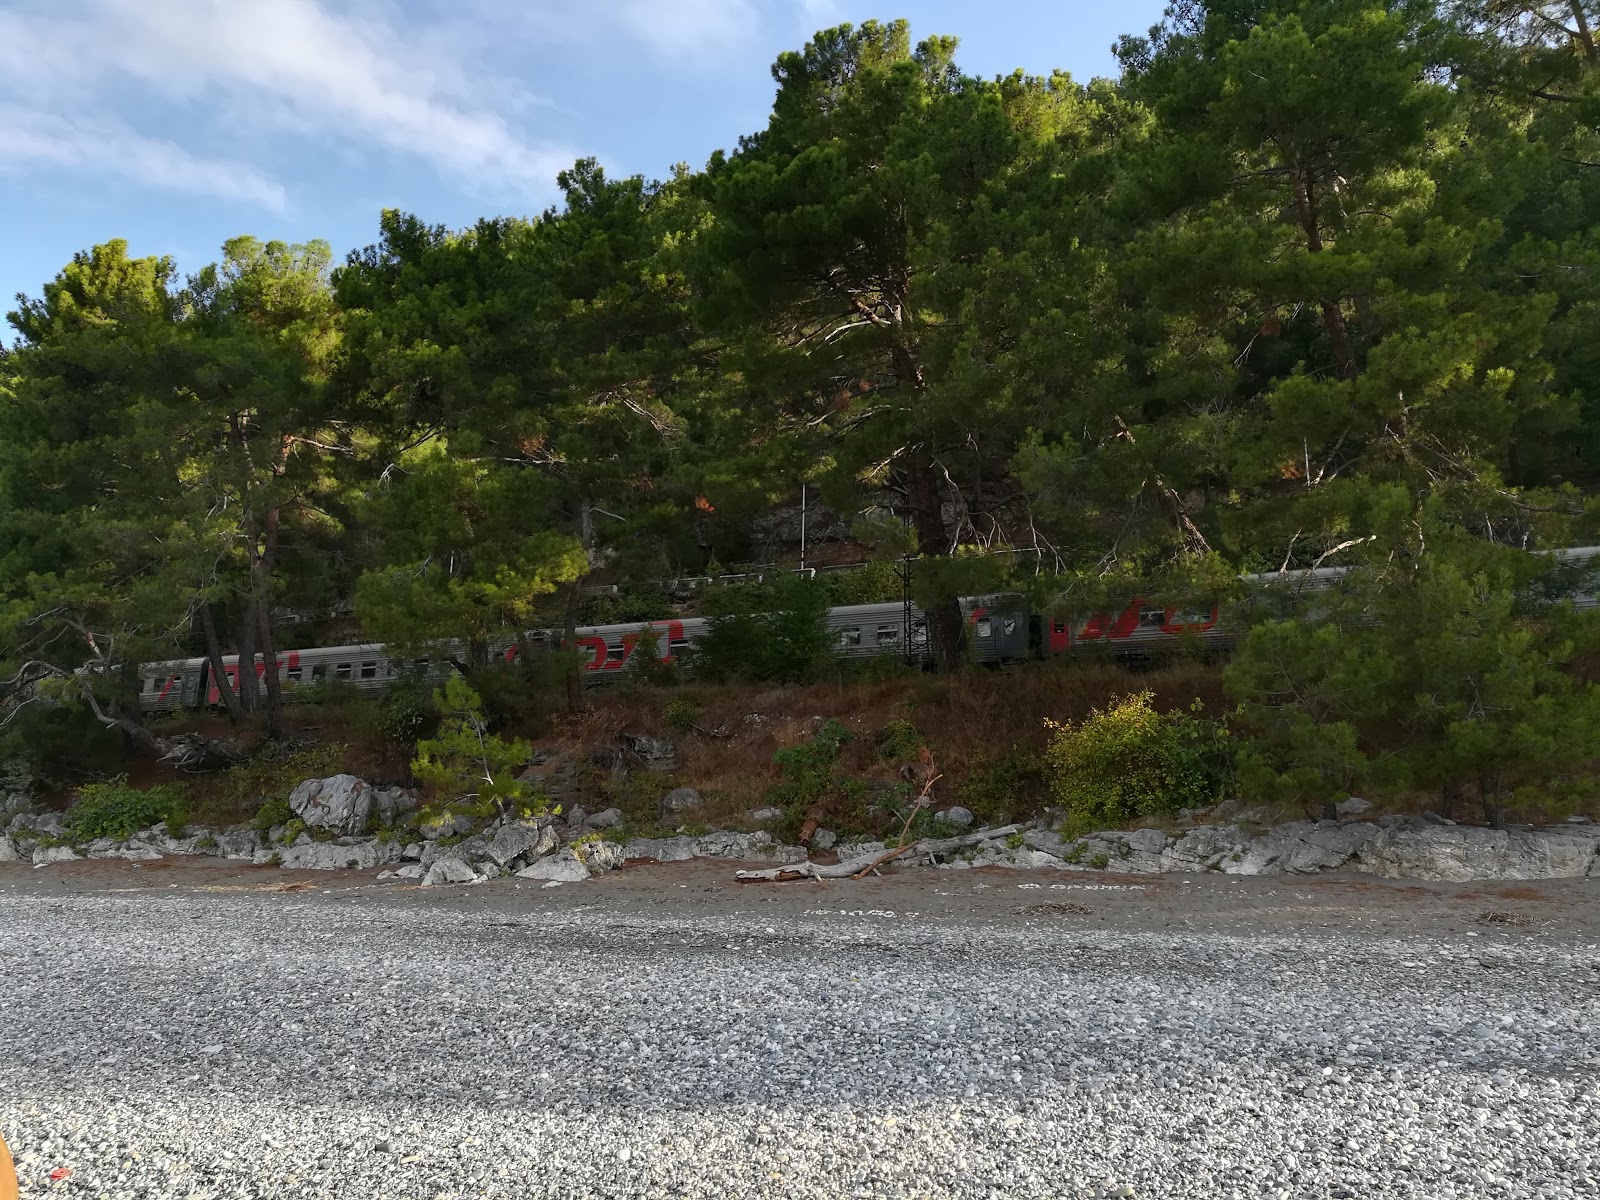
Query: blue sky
[(179, 123)]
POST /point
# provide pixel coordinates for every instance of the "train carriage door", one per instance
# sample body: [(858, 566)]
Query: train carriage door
[(1058, 634)]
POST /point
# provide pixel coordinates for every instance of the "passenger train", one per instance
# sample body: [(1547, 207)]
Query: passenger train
[(1000, 629)]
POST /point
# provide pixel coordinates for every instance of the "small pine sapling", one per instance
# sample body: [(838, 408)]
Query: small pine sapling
[(468, 762)]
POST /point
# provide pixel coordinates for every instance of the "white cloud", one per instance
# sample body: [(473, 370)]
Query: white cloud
[(31, 139), (314, 68), (690, 26)]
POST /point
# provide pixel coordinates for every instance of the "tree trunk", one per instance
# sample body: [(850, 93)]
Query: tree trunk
[(269, 661), (1447, 801), (135, 731), (1585, 37), (262, 570), (945, 631), (249, 688), (1305, 202), (1494, 809), (569, 640), (219, 674)]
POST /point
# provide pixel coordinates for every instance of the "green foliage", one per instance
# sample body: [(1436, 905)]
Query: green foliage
[(682, 714), (1129, 761), (810, 773), (117, 810), (646, 666), (274, 770), (778, 633), (875, 582), (995, 788), (58, 741), (407, 709), (467, 762), (899, 741), (1434, 675), (272, 814), (516, 695)]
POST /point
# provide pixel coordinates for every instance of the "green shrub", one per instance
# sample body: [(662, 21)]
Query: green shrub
[(272, 814), (810, 773), (876, 582), (516, 695), (274, 770), (59, 741), (683, 714), (407, 709), (1129, 761), (900, 741), (466, 761), (995, 788), (777, 632), (645, 665), (117, 810), (337, 694)]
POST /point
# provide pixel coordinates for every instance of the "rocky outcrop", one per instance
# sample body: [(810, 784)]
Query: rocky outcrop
[(1461, 853), (241, 842), (516, 839), (565, 867), (682, 848), (680, 799), (8, 850), (345, 854), (1395, 847), (342, 803), (448, 870), (651, 753)]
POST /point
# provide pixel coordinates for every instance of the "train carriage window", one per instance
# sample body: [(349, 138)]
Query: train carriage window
[(1152, 618), (319, 672), (369, 670), (343, 670), (1008, 627), (888, 635), (294, 673), (984, 628), (616, 653), (849, 637)]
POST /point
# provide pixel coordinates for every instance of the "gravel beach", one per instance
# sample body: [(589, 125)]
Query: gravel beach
[(666, 1033)]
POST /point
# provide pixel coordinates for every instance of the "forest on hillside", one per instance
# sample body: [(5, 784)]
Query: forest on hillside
[(1307, 285)]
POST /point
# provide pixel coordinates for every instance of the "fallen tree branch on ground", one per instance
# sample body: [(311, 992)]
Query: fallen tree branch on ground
[(856, 867)]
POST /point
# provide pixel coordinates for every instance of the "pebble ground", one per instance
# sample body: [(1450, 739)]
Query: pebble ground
[(202, 1045)]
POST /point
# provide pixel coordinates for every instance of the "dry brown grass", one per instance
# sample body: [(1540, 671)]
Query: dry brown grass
[(964, 719)]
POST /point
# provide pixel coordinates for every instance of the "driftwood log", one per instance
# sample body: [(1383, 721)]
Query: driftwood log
[(855, 868)]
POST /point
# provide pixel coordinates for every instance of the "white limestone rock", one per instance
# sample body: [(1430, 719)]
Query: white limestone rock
[(448, 870), (339, 802), (565, 867), (331, 856), (517, 839)]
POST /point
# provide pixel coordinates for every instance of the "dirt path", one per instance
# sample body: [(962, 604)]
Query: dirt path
[(1560, 909)]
